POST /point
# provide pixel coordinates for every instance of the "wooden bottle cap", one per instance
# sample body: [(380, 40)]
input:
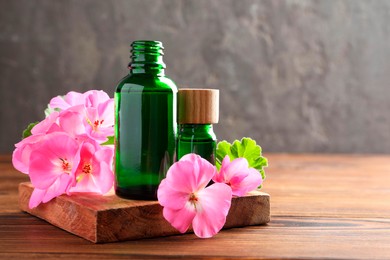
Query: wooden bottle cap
[(198, 106)]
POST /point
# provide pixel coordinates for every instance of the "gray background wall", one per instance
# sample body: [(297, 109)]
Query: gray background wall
[(298, 76)]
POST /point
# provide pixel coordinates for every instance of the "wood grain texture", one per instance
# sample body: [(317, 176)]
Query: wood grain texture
[(198, 106), (329, 186), (282, 238), (102, 219), (322, 207)]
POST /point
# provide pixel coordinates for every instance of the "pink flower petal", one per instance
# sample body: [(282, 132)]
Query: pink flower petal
[(21, 155), (250, 183), (180, 178), (105, 111), (191, 173), (94, 125), (215, 202), (71, 99), (74, 98), (72, 123), (59, 102), (86, 183), (106, 154), (179, 218), (59, 187), (94, 172), (48, 161), (18, 161), (239, 165), (238, 176), (36, 198), (95, 97), (56, 189), (105, 179), (170, 197), (43, 173), (100, 181), (46, 125)]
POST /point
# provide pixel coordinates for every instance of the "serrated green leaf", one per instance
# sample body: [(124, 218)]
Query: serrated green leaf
[(223, 149), (27, 131), (246, 148)]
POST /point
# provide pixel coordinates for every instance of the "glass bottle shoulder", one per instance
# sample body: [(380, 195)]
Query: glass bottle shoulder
[(199, 132), (146, 83)]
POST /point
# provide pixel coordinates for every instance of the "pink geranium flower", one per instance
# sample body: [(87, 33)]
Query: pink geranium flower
[(69, 122), (94, 172), (99, 123), (44, 195), (23, 149), (63, 153), (73, 123), (88, 114), (187, 200), (71, 99), (52, 166), (94, 98), (238, 176), (48, 125), (22, 152)]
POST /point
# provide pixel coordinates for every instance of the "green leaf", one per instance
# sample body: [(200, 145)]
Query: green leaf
[(27, 131), (246, 148), (110, 141), (223, 149)]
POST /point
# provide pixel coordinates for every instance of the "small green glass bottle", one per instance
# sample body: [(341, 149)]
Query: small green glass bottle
[(198, 109), (145, 124)]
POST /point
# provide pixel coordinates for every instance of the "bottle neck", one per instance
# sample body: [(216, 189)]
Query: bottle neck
[(147, 58)]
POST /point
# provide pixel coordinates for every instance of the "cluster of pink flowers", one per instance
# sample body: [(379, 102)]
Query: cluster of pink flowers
[(65, 154), (188, 198)]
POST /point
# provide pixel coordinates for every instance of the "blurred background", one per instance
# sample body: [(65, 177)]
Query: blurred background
[(297, 76)]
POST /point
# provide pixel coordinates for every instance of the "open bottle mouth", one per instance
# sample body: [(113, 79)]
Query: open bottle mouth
[(146, 55), (148, 46)]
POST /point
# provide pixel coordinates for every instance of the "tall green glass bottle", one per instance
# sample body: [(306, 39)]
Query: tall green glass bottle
[(198, 109), (145, 123)]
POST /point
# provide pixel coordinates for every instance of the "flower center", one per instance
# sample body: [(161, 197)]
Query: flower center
[(193, 200), (96, 124), (66, 167), (87, 169)]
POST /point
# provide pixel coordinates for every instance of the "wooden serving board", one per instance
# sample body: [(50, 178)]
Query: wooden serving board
[(108, 218)]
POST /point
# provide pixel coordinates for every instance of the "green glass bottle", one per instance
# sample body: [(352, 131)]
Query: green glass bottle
[(145, 124), (198, 109)]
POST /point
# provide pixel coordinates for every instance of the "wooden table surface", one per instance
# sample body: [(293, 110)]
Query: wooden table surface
[(322, 207)]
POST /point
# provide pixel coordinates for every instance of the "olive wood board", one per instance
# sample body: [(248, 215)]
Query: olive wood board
[(108, 218)]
